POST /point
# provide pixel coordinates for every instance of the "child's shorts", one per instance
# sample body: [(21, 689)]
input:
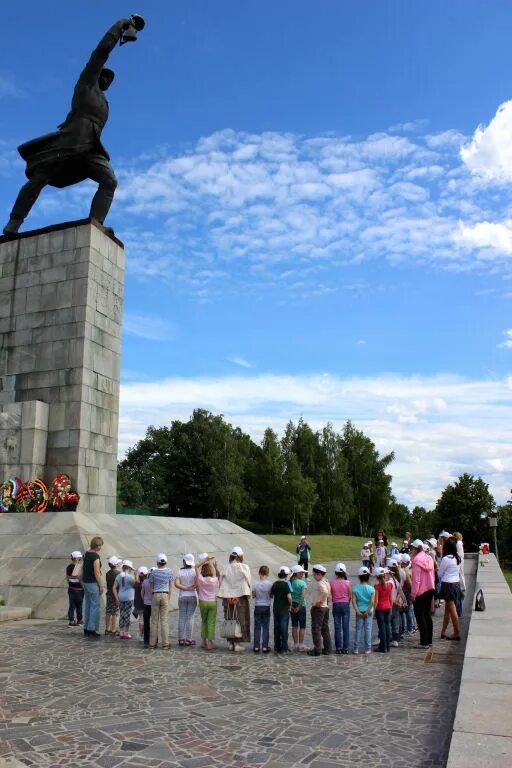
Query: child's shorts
[(299, 619), (112, 608)]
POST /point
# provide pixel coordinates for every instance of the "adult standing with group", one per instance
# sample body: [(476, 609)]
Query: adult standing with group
[(422, 592), (235, 590), (92, 580), (303, 550)]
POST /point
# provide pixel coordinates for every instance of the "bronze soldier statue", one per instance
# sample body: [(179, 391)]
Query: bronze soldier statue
[(75, 152)]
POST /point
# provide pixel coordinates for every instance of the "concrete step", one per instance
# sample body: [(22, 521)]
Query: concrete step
[(10, 613)]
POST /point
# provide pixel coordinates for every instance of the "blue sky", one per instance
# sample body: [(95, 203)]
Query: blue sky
[(315, 223)]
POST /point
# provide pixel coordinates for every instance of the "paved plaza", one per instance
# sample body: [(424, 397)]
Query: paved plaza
[(68, 701)]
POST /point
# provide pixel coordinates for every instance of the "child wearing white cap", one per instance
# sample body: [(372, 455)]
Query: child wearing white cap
[(384, 590), (160, 579), (320, 598), (341, 594), (282, 594), (111, 607), (75, 590), (124, 593), (298, 585), (185, 582), (138, 603), (363, 602)]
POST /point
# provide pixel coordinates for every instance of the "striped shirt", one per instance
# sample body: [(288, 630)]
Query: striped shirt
[(161, 578)]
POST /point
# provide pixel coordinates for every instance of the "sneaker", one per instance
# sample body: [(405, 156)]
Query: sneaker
[(394, 643), (79, 623), (344, 651), (355, 652), (238, 648), (265, 650), (338, 651), (312, 652), (72, 624), (375, 642), (256, 650), (421, 647), (367, 653)]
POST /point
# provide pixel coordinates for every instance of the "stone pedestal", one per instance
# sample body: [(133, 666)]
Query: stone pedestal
[(61, 298)]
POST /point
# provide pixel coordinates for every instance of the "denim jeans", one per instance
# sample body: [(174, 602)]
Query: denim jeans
[(396, 624), (92, 606), (341, 614), (281, 622), (186, 609), (364, 626), (261, 625), (76, 598), (409, 614), (384, 624)]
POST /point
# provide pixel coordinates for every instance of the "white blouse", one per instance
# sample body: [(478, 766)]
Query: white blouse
[(235, 580), (449, 570)]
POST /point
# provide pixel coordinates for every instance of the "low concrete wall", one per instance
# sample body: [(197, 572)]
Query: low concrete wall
[(482, 732)]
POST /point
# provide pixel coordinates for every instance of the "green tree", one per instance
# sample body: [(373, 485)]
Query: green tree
[(399, 518), (143, 476), (371, 485), (461, 507), (266, 483), (335, 498), (422, 523)]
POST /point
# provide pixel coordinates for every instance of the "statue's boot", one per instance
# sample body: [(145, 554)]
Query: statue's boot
[(12, 226)]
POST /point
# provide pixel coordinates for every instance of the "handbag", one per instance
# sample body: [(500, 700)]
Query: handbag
[(231, 629), (479, 601)]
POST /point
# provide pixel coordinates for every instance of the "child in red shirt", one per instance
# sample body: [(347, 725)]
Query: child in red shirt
[(384, 591)]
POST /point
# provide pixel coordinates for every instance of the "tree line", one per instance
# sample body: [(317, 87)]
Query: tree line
[(320, 481)]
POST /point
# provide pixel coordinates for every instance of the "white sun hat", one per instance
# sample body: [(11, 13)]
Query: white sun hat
[(142, 570), (283, 569), (340, 568), (189, 559), (298, 569), (76, 554), (128, 564), (363, 571), (113, 560), (238, 551), (417, 544)]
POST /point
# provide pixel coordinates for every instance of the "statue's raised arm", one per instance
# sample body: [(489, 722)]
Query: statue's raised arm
[(75, 152), (92, 70)]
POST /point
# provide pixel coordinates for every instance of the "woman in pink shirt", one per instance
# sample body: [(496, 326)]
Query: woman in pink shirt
[(207, 585), (422, 592), (341, 594)]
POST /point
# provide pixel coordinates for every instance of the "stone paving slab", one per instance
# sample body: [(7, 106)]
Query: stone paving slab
[(68, 701), (479, 751)]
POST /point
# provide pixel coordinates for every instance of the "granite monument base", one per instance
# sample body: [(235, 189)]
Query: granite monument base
[(34, 550)]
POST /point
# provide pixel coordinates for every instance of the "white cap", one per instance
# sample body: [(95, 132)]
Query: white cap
[(405, 558), (417, 544), (142, 570), (363, 571), (380, 571), (320, 568), (340, 568), (283, 569), (189, 560), (161, 558), (444, 535), (238, 551), (113, 560), (426, 546), (128, 564), (432, 541), (381, 541), (202, 556), (394, 544), (365, 546), (76, 554), (302, 537), (406, 541), (391, 562), (298, 569), (369, 543)]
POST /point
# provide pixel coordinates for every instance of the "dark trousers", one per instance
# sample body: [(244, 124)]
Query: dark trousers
[(146, 615), (281, 622), (320, 629), (76, 599), (422, 611), (384, 625), (100, 172), (262, 625)]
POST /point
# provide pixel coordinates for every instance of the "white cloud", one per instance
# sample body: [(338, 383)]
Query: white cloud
[(438, 426), (486, 234), (9, 88), (489, 153), (241, 361), (147, 327), (507, 343)]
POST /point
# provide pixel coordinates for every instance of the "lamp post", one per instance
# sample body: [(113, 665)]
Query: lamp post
[(493, 523)]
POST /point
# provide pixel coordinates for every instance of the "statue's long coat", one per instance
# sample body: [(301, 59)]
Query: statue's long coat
[(62, 153)]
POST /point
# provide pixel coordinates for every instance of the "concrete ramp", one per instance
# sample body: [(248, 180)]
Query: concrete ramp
[(34, 550)]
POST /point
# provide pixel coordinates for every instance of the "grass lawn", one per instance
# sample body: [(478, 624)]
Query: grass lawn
[(508, 576), (323, 548)]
